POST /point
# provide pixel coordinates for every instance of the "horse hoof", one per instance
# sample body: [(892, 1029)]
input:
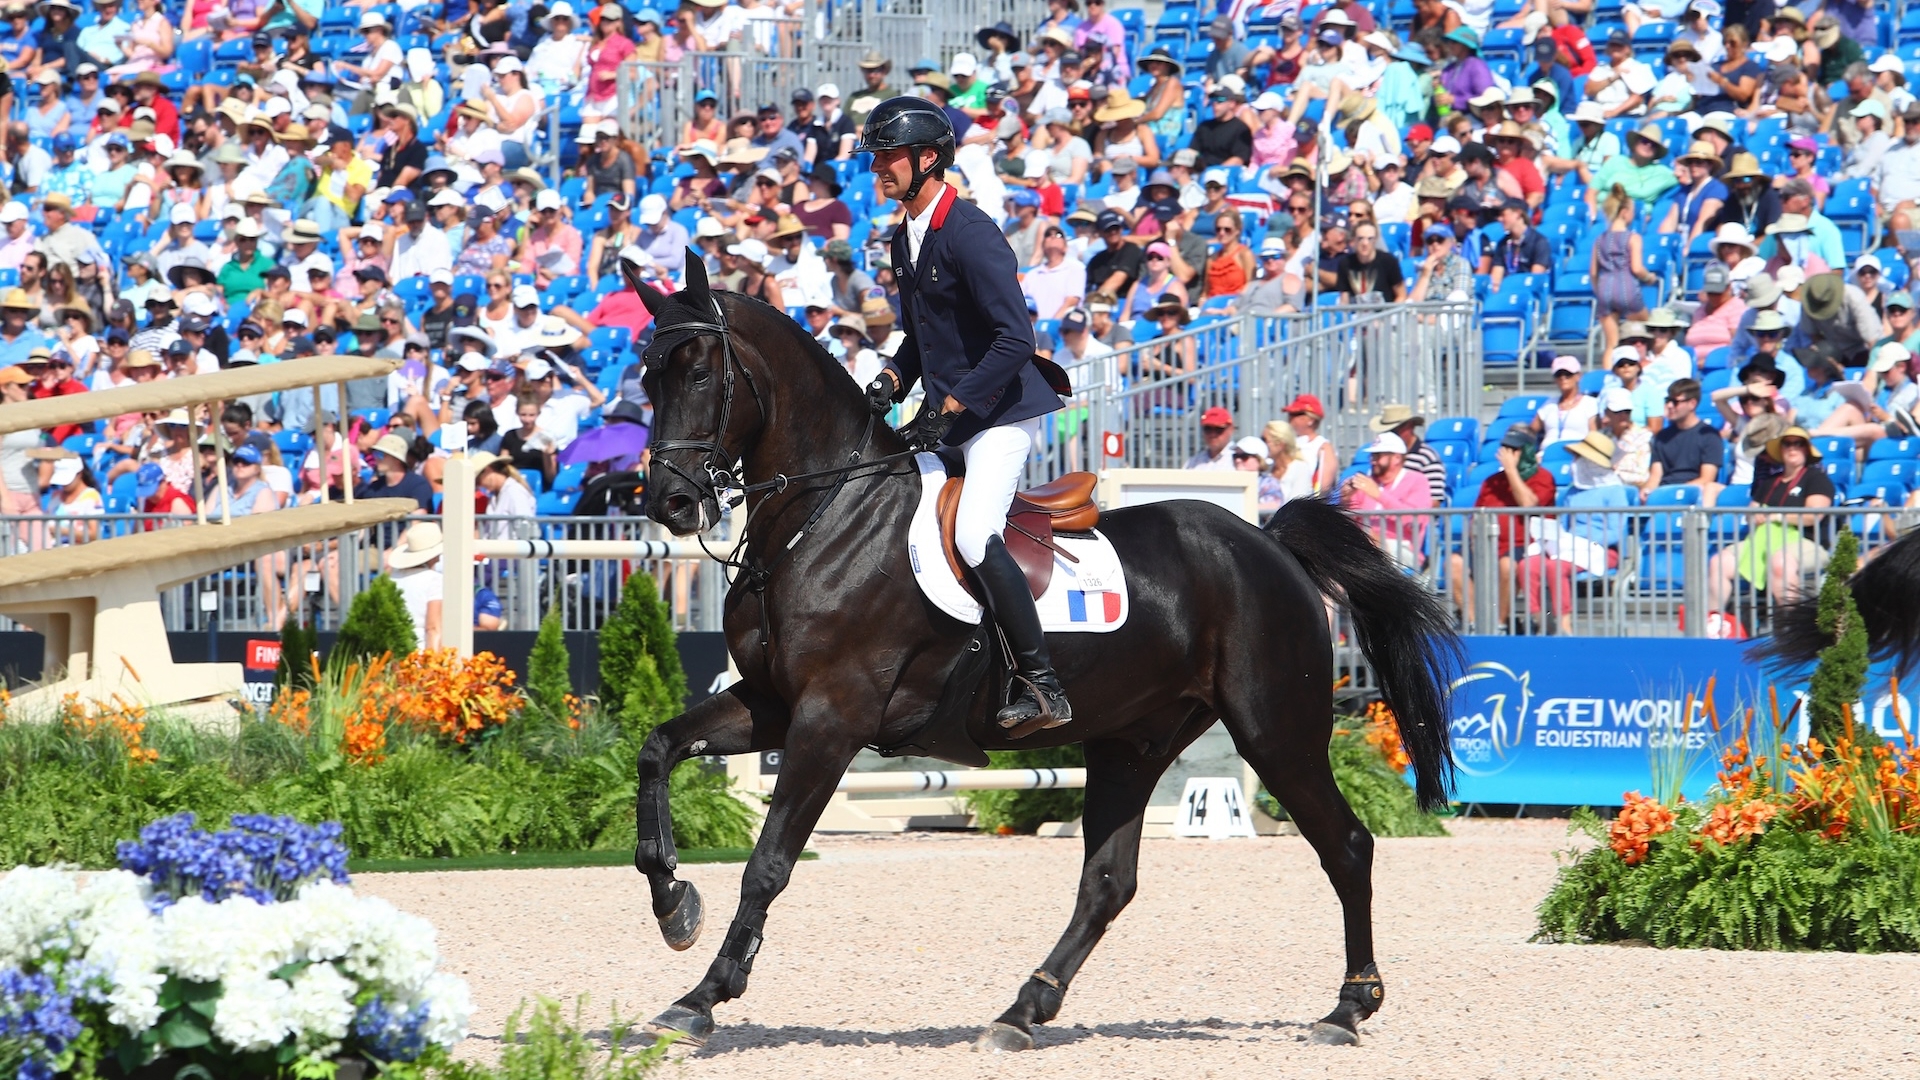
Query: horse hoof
[(1001, 1038), (681, 926), (684, 1026), (1325, 1034)]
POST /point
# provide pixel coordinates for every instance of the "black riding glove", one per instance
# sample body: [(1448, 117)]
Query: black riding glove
[(929, 428), (880, 394)]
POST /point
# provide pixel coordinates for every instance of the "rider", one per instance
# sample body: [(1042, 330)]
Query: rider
[(968, 337)]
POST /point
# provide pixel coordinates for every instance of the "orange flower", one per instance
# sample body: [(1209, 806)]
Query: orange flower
[(1383, 734), (120, 718), (1641, 819), (1729, 824)]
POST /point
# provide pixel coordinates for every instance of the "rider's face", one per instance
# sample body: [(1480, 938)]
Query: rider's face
[(893, 169)]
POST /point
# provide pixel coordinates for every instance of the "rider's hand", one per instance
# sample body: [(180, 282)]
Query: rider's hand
[(930, 427), (880, 394)]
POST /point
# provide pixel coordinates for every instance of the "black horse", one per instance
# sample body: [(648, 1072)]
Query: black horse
[(1886, 589), (838, 650)]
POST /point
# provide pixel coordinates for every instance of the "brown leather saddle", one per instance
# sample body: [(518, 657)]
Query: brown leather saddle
[(1063, 506)]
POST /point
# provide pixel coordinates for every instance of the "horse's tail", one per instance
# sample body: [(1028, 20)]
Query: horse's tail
[(1887, 592), (1404, 631)]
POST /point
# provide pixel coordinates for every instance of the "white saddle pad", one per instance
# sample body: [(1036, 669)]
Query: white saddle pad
[(1089, 596)]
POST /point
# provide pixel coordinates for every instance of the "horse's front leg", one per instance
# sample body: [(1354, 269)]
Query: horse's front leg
[(818, 750), (733, 721)]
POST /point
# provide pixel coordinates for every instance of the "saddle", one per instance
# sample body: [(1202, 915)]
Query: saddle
[(1065, 505)]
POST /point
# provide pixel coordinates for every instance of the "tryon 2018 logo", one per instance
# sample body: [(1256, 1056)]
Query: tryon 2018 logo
[(1490, 705)]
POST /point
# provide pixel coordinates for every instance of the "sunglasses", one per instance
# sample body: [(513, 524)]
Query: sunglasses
[(496, 284), (390, 322), (1156, 258), (1769, 335), (1680, 400)]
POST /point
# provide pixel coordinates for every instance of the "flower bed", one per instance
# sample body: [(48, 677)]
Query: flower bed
[(242, 952), (1808, 846)]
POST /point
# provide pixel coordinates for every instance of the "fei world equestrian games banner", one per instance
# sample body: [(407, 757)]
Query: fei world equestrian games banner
[(1578, 721)]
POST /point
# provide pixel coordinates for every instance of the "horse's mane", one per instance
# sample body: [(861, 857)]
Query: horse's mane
[(682, 307)]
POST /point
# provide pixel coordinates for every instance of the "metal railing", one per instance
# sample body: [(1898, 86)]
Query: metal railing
[(1355, 359), (779, 56), (1643, 571), (321, 579), (1634, 572)]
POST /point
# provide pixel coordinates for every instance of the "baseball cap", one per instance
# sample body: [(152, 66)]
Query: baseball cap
[(538, 369), (652, 209), (1307, 404), (1715, 279), (1565, 363), (1075, 321), (1616, 399), (1387, 443), (1251, 446), (1109, 219), (526, 296), (1623, 354), (1216, 416), (548, 199), (247, 453), (1438, 231), (1216, 175), (1273, 248), (1517, 437), (1888, 355), (1446, 144)]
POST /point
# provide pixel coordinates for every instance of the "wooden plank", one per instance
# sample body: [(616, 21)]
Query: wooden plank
[(164, 395)]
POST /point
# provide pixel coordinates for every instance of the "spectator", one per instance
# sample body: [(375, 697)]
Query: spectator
[(1632, 442), (552, 248), (1102, 325), (1231, 265), (1444, 275), (1401, 421), (1686, 451), (1718, 315), (1779, 548), (527, 447), (1465, 76), (17, 339), (1366, 275), (1114, 269), (1897, 186), (1663, 359), (1058, 282), (1892, 399), (414, 564), (73, 495), (1753, 419), (247, 491), (1388, 485), (1223, 138), (1250, 455), (1305, 414), (1621, 85), (393, 475), (1582, 543), (1569, 417), (1521, 482), (1216, 442), (1641, 172), (1901, 325), (1752, 202), (1283, 452), (509, 495), (1523, 250), (1836, 315)]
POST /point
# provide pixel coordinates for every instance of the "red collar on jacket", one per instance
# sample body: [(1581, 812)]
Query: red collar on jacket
[(940, 208)]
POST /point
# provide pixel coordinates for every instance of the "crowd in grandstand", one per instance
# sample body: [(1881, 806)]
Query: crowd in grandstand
[(201, 184)]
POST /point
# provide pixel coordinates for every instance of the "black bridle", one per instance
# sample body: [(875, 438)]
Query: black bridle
[(725, 471)]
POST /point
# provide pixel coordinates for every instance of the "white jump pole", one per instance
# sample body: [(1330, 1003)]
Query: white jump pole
[(867, 783)]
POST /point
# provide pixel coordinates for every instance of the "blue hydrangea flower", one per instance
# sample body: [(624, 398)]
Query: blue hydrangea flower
[(262, 857), (36, 1022), (391, 1033)]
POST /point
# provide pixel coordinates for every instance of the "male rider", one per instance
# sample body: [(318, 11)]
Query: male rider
[(969, 339)]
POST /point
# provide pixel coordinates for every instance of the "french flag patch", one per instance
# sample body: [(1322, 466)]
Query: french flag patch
[(1093, 607)]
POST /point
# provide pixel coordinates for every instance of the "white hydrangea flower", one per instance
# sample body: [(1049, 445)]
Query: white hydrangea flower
[(449, 1008), (37, 905), (328, 921), (394, 951), (320, 1008), (122, 939), (236, 939), (253, 1014)]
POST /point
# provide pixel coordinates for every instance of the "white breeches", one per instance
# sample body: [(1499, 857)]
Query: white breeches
[(996, 461)]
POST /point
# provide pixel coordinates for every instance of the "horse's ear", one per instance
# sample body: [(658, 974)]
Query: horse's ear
[(649, 295), (697, 279)]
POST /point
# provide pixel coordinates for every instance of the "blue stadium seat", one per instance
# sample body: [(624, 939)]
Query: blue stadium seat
[(1833, 447), (1907, 449), (1454, 429)]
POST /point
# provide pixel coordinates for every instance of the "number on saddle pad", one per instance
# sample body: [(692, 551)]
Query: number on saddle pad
[(1213, 807)]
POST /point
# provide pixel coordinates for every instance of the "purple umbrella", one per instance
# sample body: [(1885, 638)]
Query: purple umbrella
[(616, 442)]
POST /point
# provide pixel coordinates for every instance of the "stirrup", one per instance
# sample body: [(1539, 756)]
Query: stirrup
[(1035, 708)]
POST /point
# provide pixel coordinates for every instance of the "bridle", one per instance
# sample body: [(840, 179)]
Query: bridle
[(724, 471)]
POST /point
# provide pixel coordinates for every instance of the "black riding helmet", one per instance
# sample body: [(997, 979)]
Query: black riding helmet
[(903, 122)]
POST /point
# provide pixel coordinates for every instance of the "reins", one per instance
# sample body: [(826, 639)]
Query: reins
[(725, 473)]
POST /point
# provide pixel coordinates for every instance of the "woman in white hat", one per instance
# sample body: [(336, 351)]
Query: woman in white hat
[(74, 496), (1892, 400), (414, 564), (508, 493)]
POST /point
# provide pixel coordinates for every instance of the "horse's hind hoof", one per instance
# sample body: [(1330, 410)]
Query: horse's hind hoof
[(684, 1026), (681, 926), (1325, 1034), (1001, 1038)]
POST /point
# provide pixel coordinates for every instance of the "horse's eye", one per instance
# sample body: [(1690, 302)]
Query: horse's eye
[(701, 378)]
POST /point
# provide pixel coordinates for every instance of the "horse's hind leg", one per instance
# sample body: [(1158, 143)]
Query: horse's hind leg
[(1119, 782), (1284, 737), (722, 724)]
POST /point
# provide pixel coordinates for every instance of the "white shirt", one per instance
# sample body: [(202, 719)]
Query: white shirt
[(1394, 207), (513, 339), (1711, 50), (1052, 287), (553, 61), (1567, 425), (917, 224), (1205, 462), (1633, 77), (420, 256), (560, 417), (725, 24), (418, 585), (1086, 370), (803, 281)]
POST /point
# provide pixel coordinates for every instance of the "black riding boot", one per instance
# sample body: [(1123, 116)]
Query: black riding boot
[(1039, 696)]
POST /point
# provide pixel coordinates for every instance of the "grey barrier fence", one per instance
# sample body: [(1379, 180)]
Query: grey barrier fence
[(1634, 572), (1354, 359), (1644, 571), (321, 579), (779, 56)]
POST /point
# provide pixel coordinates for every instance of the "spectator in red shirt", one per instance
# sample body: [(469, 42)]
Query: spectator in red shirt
[(146, 94), (1515, 153), (1389, 485), (1521, 482), (54, 379), (604, 56)]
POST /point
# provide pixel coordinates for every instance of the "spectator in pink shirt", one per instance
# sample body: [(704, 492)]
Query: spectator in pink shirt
[(1389, 485), (1718, 315), (552, 248), (1099, 22)]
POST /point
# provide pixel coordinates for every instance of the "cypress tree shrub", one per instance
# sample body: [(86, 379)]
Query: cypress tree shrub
[(1842, 670), (641, 681), (377, 624), (297, 645), (548, 683)]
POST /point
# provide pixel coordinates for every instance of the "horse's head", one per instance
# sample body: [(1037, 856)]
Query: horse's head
[(706, 403)]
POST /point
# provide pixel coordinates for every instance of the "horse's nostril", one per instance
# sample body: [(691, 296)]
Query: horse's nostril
[(678, 503)]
